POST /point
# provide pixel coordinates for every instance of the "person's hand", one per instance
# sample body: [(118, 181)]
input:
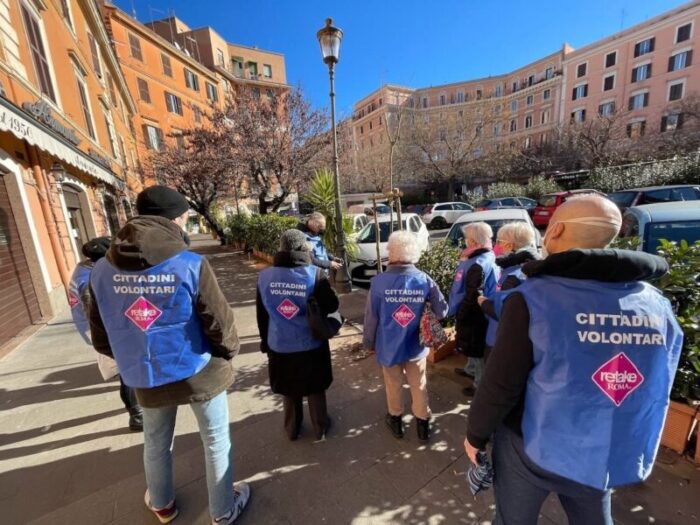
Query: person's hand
[(335, 265), (471, 451), (481, 300)]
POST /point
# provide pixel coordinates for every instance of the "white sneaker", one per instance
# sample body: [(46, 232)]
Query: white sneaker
[(241, 495)]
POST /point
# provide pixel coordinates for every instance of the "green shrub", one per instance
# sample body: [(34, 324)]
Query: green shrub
[(505, 189), (261, 232), (238, 226), (440, 262), (540, 185)]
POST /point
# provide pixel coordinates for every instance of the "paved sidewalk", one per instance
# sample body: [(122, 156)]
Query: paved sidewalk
[(66, 456)]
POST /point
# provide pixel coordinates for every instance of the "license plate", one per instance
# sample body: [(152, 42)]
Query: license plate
[(370, 272), (542, 213)]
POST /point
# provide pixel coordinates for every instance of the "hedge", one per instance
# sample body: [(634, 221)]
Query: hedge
[(261, 232)]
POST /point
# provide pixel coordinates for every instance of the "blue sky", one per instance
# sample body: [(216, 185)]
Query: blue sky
[(416, 43)]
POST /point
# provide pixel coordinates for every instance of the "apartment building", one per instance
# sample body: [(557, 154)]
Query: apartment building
[(67, 154), (639, 75)]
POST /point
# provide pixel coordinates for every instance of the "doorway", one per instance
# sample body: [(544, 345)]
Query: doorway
[(76, 216)]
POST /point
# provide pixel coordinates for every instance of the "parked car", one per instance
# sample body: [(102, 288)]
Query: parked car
[(368, 209), (673, 221), (506, 202), (358, 221), (653, 194), (416, 208), (495, 219), (442, 214), (550, 202), (364, 266)]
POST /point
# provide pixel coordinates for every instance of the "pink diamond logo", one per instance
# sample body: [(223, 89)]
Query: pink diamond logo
[(618, 378), (403, 315), (73, 301), (459, 275), (288, 309), (143, 313)]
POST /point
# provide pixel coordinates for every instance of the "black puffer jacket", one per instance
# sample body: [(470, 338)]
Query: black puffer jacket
[(146, 241), (508, 261), (471, 323)]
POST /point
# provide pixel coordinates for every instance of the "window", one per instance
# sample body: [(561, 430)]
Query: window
[(478, 94), (530, 100), (191, 80), (499, 90), (212, 93), (497, 129), (513, 126), (636, 129), (578, 116), (526, 144), (135, 47), (425, 102), (528, 122), (173, 103), (514, 86), (580, 92), (640, 73), (644, 47), (253, 70), (65, 12), (112, 92), (611, 59), (514, 106), (237, 67), (683, 33), (167, 66), (544, 117), (153, 137), (460, 97), (607, 109), (442, 100), (675, 91), (197, 114), (546, 94), (36, 45), (95, 55), (581, 70), (530, 80), (370, 125), (549, 73), (638, 101), (680, 60), (85, 105), (267, 70), (608, 82), (220, 59), (144, 94), (111, 132), (671, 122)]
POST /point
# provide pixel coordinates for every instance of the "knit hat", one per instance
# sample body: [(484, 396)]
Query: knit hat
[(293, 241), (161, 201), (96, 248)]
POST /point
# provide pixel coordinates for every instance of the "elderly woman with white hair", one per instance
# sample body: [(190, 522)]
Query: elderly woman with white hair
[(476, 275), (396, 302), (315, 228)]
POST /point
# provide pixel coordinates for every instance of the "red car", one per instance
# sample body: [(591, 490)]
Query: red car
[(550, 202)]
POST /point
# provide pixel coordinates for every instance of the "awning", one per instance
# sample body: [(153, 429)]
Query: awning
[(24, 127)]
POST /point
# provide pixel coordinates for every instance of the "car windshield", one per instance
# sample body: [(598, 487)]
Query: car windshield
[(456, 238), (368, 233), (622, 198), (483, 203), (671, 231), (547, 200)]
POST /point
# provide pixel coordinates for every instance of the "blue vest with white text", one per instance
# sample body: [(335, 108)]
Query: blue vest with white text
[(318, 249), (605, 355), (515, 271), (151, 320), (398, 301), (78, 282), (284, 292), (487, 261)]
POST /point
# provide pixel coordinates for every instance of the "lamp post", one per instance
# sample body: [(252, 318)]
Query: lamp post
[(329, 37)]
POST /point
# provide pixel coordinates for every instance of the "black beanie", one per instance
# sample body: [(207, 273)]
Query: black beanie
[(96, 248), (161, 201)]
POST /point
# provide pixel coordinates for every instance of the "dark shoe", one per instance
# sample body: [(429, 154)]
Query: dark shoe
[(395, 424), (136, 422), (329, 424), (293, 436), (469, 391), (423, 428), (460, 372)]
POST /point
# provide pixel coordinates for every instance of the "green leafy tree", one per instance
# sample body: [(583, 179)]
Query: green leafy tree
[(440, 262)]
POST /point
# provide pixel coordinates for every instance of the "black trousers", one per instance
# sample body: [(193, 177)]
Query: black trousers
[(294, 414), (128, 396)]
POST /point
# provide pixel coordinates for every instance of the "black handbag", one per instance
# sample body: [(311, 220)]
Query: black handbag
[(323, 326)]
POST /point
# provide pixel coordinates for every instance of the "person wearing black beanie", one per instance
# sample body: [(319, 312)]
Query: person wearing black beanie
[(162, 201)]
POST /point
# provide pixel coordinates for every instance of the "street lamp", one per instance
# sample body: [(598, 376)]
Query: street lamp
[(329, 37)]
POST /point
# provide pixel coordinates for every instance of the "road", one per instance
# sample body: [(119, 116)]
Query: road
[(437, 235)]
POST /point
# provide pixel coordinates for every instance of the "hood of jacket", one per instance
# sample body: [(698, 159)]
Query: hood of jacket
[(600, 265), (292, 259), (146, 241), (516, 258)]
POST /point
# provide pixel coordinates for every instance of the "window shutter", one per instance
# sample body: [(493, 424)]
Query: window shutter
[(573, 94), (146, 138), (95, 55), (585, 90), (636, 49), (634, 75), (648, 70), (646, 99), (688, 58), (664, 123), (651, 44), (671, 60), (679, 123), (631, 104), (161, 142)]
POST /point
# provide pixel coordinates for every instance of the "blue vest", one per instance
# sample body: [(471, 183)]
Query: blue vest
[(318, 249), (487, 261), (153, 328), (284, 292), (605, 355), (78, 282), (398, 301), (515, 271)]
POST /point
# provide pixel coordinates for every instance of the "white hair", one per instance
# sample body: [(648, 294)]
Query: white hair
[(519, 233), (316, 219), (403, 247), (479, 232)]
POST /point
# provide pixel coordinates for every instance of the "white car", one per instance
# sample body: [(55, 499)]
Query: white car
[(358, 221), (363, 267), (442, 214), (495, 219)]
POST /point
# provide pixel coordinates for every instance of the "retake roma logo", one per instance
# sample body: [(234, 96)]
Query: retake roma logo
[(288, 309), (143, 313), (403, 315), (618, 378)]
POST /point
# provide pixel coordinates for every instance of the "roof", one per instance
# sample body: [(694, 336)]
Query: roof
[(495, 215), (653, 188), (573, 192), (668, 211)]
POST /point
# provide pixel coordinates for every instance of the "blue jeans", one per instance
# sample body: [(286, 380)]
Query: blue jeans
[(475, 368), (158, 433), (521, 488)]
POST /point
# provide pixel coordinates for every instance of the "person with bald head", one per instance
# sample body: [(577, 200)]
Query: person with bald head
[(576, 388)]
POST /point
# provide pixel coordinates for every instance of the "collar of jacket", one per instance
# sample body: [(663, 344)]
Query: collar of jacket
[(401, 268), (145, 241), (514, 258), (600, 265), (292, 259), (478, 252)]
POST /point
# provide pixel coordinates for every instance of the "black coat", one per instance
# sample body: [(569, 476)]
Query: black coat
[(299, 373), (471, 323)]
